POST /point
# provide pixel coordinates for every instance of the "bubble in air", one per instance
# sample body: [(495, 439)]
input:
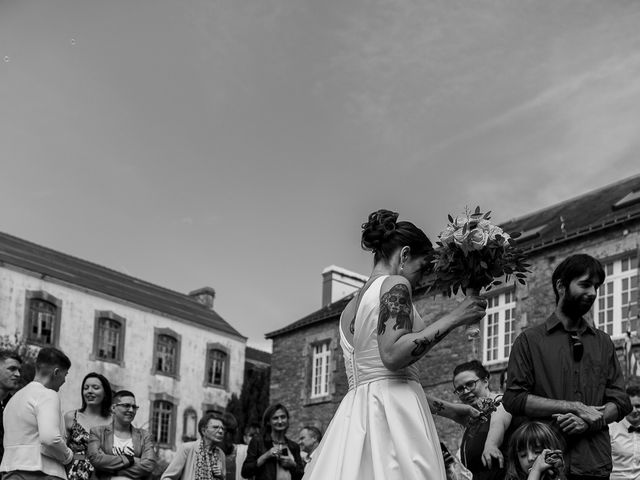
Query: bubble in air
[(7, 59), (72, 41)]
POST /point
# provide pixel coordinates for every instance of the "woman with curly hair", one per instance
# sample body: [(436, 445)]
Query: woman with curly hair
[(383, 428)]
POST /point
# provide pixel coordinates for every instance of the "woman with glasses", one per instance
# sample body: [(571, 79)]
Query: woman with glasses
[(95, 410), (120, 451), (202, 459), (483, 439), (273, 456)]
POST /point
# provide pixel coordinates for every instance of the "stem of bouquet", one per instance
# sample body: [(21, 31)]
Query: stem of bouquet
[(473, 331)]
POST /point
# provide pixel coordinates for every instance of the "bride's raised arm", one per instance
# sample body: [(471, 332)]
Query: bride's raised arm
[(399, 346)]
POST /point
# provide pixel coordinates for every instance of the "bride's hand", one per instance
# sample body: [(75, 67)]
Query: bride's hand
[(470, 311)]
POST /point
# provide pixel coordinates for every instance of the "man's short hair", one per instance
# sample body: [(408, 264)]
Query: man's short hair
[(50, 358), (633, 390), (122, 393), (6, 354), (574, 267), (314, 432)]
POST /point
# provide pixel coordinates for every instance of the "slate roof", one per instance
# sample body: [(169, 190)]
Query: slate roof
[(597, 210), (253, 354), (49, 263), (593, 211)]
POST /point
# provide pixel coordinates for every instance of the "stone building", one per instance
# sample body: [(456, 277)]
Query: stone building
[(308, 368), (178, 356)]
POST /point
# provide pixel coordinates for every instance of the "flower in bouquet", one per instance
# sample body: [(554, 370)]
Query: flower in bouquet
[(473, 253)]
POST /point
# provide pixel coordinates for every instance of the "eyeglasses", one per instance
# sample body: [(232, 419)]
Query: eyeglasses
[(127, 406), (470, 385), (577, 348), (215, 428)]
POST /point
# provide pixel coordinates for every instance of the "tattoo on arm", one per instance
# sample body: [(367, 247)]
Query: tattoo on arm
[(423, 343), (438, 406), (396, 304)]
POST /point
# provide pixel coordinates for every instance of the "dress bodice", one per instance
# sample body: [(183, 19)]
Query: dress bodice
[(362, 359)]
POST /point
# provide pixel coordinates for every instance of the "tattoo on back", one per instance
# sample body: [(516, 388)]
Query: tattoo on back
[(423, 343), (396, 304)]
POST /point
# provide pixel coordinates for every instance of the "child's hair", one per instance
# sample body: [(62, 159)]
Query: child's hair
[(530, 436)]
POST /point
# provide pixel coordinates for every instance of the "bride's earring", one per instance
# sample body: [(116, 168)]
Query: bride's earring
[(401, 267)]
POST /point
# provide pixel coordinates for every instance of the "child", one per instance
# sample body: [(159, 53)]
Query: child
[(535, 453)]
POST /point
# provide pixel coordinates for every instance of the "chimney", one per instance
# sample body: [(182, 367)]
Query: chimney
[(204, 295), (339, 282)]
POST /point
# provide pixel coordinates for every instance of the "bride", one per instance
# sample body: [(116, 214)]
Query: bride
[(383, 428)]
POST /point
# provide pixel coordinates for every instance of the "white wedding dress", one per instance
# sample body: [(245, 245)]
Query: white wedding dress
[(383, 429)]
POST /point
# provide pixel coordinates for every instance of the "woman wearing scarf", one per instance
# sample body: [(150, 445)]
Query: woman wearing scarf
[(203, 459)]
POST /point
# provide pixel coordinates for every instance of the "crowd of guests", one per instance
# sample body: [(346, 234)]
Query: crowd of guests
[(98, 440), (564, 413)]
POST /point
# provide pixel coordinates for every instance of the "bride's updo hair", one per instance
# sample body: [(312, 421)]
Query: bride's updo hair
[(383, 234)]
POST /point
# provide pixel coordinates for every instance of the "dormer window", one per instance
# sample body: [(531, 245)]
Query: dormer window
[(629, 199)]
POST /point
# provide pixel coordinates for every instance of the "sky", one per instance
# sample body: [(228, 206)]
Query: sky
[(240, 144)]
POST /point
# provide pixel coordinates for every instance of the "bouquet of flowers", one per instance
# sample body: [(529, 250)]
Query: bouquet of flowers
[(472, 253)]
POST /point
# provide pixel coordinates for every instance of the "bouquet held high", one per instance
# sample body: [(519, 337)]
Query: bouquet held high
[(472, 253)]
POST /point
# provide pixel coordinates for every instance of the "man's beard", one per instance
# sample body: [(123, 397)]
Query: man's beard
[(576, 305)]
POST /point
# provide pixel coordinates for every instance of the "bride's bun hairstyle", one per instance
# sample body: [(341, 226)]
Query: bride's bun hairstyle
[(382, 234)]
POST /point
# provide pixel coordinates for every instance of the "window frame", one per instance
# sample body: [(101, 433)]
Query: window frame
[(189, 412), (324, 358), (155, 399), (499, 317), (109, 315), (157, 332), (213, 347), (616, 276), (34, 295)]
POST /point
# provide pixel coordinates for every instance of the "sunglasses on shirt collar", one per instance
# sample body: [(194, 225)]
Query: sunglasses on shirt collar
[(577, 348)]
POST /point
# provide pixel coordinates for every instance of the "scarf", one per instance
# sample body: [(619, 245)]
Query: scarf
[(206, 459)]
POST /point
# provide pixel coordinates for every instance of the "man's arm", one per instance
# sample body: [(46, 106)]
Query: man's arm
[(51, 440)]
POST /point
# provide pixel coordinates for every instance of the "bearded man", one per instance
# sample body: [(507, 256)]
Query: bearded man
[(566, 372)]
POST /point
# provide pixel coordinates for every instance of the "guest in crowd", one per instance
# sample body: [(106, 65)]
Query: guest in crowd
[(235, 453), (535, 453), (34, 445), (250, 431), (202, 459), (565, 370), (119, 450), (625, 441), (10, 364), (482, 441), (309, 440), (273, 456), (95, 394)]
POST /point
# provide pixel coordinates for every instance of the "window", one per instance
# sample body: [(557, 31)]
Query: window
[(162, 422), (320, 370), (499, 326), (189, 425), (216, 371), (108, 340), (42, 318), (166, 352), (616, 309)]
